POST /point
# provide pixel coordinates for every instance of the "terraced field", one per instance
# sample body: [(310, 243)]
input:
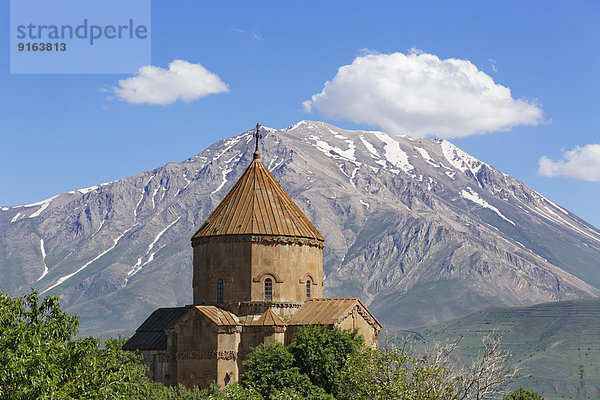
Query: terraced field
[(556, 346)]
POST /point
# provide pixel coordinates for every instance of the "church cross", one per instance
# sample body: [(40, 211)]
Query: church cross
[(257, 135)]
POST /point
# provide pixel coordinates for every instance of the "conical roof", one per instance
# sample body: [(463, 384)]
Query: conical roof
[(268, 318), (258, 205)]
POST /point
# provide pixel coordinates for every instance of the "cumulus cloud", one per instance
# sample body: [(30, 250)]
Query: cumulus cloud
[(580, 163), (421, 95), (181, 81)]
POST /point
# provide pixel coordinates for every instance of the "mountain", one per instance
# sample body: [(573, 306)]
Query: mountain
[(554, 345), (419, 229)]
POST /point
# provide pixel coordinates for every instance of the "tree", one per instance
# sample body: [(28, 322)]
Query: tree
[(34, 338), (395, 373), (488, 372), (322, 353), (270, 371), (522, 394), (403, 373), (41, 356)]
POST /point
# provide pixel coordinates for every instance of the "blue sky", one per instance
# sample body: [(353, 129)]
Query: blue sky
[(61, 132)]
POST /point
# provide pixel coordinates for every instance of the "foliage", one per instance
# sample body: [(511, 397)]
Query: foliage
[(321, 353), (522, 394), (396, 374), (41, 356), (271, 371), (403, 373)]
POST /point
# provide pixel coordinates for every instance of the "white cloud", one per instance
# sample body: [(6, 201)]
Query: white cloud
[(182, 81), (580, 163), (420, 95)]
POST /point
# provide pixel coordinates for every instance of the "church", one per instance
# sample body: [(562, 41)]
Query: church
[(257, 278)]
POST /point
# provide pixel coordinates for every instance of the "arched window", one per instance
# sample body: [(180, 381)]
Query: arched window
[(220, 291), (308, 288), (268, 289)]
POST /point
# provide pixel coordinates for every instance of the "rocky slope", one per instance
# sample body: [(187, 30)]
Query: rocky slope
[(417, 228)]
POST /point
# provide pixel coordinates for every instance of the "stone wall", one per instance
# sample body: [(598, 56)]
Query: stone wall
[(245, 262), (289, 265), (227, 259), (200, 352)]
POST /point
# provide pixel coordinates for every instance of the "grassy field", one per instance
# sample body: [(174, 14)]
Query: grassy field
[(556, 346)]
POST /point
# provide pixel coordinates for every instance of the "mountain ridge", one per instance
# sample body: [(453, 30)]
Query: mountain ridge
[(405, 220)]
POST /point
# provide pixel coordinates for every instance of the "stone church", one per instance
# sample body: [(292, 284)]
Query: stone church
[(258, 277)]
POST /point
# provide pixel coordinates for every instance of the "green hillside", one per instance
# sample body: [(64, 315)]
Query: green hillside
[(556, 346)]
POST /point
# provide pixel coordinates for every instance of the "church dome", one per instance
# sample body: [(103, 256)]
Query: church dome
[(258, 205)]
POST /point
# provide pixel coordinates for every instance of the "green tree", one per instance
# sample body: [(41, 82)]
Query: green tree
[(431, 374), (41, 356), (523, 394), (322, 354), (393, 373), (270, 370)]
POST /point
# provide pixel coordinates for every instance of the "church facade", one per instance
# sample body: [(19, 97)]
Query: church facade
[(257, 278)]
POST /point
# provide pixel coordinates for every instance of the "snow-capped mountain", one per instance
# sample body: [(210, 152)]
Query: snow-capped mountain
[(417, 228)]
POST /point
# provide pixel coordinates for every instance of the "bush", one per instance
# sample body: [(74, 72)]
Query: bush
[(271, 371), (523, 394), (322, 353)]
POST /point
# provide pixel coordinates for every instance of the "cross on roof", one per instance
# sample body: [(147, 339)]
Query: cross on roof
[(257, 135)]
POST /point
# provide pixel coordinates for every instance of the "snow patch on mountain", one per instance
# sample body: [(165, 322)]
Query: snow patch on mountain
[(98, 230), (561, 221), (460, 159), (471, 195), (87, 264), (353, 176), (426, 156), (559, 208), (276, 165), (138, 266), (296, 125), (224, 172), (90, 189), (334, 152), (153, 196), (85, 190), (272, 162), (394, 154), (39, 211), (228, 144), (137, 206), (43, 250), (370, 148), (39, 203)]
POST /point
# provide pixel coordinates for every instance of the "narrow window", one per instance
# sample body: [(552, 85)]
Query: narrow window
[(308, 288), (268, 289), (220, 291)]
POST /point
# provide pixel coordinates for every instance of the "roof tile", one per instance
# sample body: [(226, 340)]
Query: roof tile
[(268, 318), (151, 334), (326, 311)]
